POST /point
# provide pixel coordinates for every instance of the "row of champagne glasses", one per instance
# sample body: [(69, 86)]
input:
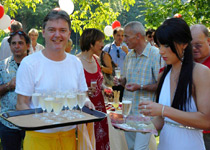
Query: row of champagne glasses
[(55, 101)]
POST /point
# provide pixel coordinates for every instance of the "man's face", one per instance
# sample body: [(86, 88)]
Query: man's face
[(33, 36), (118, 37), (56, 34), (200, 45), (130, 38), (18, 46)]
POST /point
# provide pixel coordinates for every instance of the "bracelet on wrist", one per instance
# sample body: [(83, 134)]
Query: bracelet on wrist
[(163, 108)]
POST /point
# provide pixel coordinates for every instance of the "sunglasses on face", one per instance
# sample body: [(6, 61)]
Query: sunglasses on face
[(17, 32), (118, 53)]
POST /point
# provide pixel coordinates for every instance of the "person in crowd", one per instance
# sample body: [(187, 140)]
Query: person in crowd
[(69, 46), (51, 69), (34, 47), (118, 51), (92, 41), (201, 54), (182, 110), (5, 50), (150, 36), (140, 74), (11, 136)]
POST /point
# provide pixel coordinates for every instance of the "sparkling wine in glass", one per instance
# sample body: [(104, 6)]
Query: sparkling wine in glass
[(35, 101), (117, 72), (58, 104), (126, 107), (48, 105), (71, 102), (81, 97)]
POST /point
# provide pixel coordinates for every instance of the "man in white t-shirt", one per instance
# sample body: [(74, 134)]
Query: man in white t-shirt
[(51, 70)]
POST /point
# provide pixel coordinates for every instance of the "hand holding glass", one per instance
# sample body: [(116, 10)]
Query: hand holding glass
[(143, 99)]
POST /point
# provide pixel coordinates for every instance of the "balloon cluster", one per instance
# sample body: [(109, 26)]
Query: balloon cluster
[(4, 19), (108, 30), (66, 5)]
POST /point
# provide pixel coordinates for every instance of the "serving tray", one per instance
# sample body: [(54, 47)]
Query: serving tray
[(133, 123), (24, 119)]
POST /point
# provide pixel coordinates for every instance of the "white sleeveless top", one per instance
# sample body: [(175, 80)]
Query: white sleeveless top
[(175, 137)]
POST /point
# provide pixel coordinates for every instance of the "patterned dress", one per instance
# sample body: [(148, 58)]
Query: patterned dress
[(101, 128)]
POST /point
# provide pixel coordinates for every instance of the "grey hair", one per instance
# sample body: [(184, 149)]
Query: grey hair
[(136, 27), (202, 27)]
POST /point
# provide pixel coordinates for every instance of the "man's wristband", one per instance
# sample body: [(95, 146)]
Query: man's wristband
[(141, 87)]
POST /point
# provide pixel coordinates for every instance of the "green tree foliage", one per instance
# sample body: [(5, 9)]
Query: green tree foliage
[(193, 11), (96, 13), (12, 6)]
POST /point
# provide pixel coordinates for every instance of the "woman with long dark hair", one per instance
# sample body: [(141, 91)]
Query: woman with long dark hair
[(182, 108)]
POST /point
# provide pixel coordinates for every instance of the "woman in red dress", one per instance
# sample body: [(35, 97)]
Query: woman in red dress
[(91, 42)]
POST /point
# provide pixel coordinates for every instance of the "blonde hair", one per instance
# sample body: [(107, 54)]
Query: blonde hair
[(33, 30)]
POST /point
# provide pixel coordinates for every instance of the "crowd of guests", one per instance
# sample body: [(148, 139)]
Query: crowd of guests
[(157, 64)]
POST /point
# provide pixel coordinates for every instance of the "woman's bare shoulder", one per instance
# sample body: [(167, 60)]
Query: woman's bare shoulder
[(201, 72)]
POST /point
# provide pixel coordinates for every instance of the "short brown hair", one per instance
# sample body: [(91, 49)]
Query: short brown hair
[(56, 14), (89, 37)]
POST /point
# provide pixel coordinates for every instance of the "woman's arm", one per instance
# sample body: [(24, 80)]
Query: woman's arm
[(108, 64), (199, 119), (158, 122)]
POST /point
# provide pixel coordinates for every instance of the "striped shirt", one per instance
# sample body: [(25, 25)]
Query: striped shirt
[(141, 69)]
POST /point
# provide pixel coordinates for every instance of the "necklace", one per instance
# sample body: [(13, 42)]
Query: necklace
[(89, 61)]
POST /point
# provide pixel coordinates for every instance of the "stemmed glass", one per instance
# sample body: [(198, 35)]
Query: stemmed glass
[(117, 73), (42, 105), (57, 105), (71, 99), (126, 107), (48, 105), (142, 99), (35, 101), (93, 84), (81, 97)]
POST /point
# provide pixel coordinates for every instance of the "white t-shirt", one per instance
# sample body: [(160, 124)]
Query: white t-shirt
[(37, 72)]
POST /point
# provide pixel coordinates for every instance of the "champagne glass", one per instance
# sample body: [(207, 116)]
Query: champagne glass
[(117, 73), (93, 84), (71, 99), (81, 97), (58, 103), (42, 105), (142, 99), (126, 107), (35, 101), (48, 105)]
